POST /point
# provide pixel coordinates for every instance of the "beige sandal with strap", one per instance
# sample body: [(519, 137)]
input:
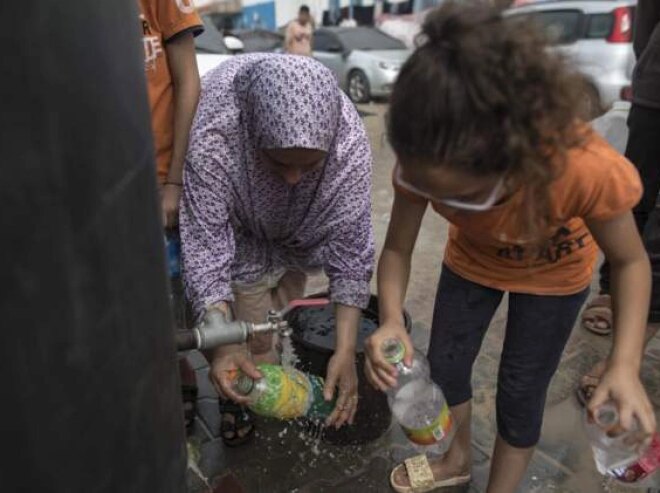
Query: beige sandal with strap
[(421, 477)]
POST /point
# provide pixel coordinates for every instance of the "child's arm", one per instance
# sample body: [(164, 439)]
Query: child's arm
[(183, 67), (393, 275), (630, 292)]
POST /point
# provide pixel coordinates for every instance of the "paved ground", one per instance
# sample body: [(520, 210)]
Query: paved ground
[(282, 458)]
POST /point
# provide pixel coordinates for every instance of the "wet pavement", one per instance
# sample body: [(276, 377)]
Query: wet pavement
[(282, 458)]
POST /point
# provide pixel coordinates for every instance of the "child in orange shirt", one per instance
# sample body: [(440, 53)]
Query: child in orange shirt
[(483, 123), (168, 28)]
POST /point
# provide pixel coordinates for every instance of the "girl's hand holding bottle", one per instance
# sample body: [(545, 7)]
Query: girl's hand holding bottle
[(621, 384), (380, 373)]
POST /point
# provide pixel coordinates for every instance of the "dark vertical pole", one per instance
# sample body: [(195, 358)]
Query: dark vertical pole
[(90, 397)]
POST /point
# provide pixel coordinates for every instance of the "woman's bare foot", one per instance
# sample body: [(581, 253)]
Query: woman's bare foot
[(444, 467)]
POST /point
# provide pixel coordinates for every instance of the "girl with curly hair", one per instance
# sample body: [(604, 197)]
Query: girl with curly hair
[(484, 124)]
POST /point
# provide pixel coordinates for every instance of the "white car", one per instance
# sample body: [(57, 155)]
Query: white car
[(365, 60), (596, 35), (613, 127), (212, 48)]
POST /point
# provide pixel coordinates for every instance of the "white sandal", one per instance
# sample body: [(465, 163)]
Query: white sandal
[(421, 477)]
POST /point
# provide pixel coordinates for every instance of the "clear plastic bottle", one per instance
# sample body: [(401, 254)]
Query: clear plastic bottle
[(417, 403), (622, 455), (284, 393), (173, 253), (643, 472)]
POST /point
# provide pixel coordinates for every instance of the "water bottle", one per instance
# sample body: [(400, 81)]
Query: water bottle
[(645, 471), (173, 251), (417, 403), (284, 393), (620, 454)]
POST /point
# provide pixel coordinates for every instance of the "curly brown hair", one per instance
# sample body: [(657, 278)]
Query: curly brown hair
[(481, 93)]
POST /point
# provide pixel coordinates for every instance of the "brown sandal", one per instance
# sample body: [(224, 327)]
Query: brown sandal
[(590, 382), (189, 392), (586, 390), (598, 310)]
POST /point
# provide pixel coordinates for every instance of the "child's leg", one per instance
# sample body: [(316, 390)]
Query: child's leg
[(536, 334), (463, 311)]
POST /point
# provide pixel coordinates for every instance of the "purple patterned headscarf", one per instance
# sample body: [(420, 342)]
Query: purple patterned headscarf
[(293, 108), (239, 220)]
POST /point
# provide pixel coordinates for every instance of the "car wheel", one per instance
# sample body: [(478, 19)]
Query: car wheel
[(358, 87), (590, 105)]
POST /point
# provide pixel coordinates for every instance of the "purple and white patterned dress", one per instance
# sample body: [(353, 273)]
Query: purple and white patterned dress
[(240, 221)]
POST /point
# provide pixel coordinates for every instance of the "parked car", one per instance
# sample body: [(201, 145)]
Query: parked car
[(596, 35), (365, 60), (406, 27), (259, 40), (212, 47), (613, 127)]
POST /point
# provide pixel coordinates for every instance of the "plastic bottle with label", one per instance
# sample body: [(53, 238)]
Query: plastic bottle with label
[(417, 403), (622, 455), (173, 253), (284, 393), (643, 472)]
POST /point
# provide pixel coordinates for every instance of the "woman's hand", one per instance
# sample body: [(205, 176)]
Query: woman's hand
[(226, 362), (342, 373), (621, 384), (380, 373)]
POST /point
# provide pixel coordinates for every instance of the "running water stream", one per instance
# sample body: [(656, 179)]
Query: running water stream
[(289, 358)]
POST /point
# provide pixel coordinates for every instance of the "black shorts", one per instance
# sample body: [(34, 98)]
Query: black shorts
[(537, 330)]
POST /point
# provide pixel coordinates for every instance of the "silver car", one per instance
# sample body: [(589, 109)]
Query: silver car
[(212, 48), (596, 35), (365, 61)]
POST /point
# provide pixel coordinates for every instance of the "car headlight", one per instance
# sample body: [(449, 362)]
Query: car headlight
[(389, 66)]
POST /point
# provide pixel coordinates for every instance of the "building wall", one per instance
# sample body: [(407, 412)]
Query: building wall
[(273, 14), (257, 13), (288, 9)]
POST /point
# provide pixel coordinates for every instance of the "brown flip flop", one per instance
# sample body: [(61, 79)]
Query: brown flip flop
[(585, 391), (598, 310)]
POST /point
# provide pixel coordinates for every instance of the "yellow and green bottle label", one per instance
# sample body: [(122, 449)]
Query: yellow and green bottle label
[(291, 394), (433, 433)]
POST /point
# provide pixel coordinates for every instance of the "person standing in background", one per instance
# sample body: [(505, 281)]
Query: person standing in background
[(643, 150), (168, 28), (299, 32)]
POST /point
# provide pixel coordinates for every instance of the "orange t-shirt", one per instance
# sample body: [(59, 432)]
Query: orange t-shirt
[(161, 21), (490, 248)]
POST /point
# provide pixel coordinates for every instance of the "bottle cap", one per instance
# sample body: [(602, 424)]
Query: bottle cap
[(606, 416), (393, 350), (243, 384)]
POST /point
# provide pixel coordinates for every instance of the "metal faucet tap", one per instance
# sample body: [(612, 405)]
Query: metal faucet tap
[(216, 330)]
